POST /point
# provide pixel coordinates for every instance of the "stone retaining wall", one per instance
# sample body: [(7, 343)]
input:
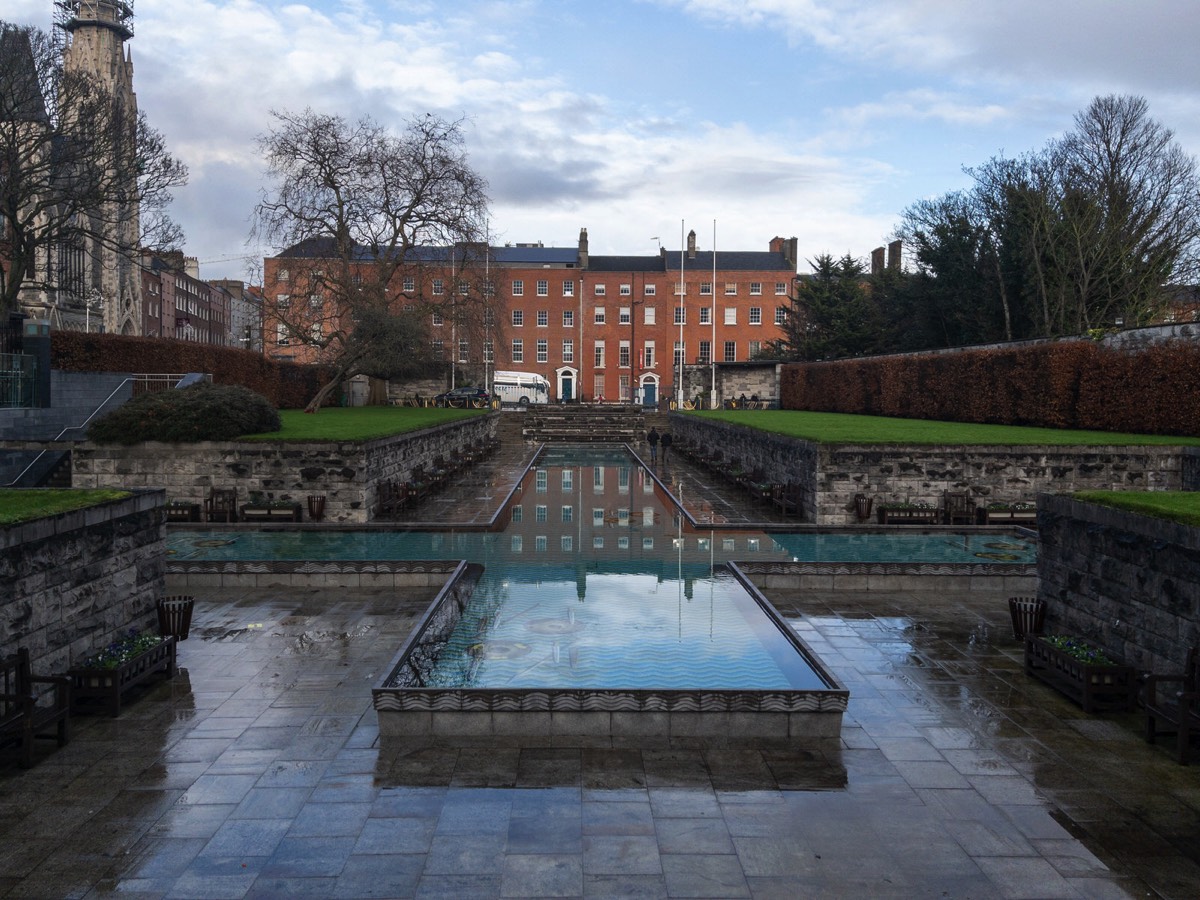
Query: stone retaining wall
[(830, 476), (69, 583), (1126, 582), (346, 474)]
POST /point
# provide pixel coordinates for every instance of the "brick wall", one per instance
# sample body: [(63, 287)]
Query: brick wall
[(1126, 582), (70, 583)]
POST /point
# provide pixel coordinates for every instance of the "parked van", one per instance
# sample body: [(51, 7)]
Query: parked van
[(520, 388)]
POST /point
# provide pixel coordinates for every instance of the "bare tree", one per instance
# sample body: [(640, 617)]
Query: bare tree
[(360, 210), (72, 161)]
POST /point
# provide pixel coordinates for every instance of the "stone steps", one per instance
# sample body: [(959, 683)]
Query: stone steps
[(576, 423)]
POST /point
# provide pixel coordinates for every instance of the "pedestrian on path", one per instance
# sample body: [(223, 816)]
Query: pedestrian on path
[(666, 445), (652, 440)]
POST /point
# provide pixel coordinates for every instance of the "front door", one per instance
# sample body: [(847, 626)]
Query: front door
[(649, 393)]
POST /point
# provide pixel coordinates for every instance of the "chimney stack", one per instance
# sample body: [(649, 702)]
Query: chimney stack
[(893, 261), (583, 248), (877, 261), (691, 248)]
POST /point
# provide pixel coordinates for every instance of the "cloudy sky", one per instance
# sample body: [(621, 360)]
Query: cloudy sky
[(820, 119)]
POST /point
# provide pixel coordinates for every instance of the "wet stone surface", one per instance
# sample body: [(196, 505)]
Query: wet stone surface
[(258, 772)]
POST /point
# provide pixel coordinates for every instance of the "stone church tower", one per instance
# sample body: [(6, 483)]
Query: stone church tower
[(96, 32)]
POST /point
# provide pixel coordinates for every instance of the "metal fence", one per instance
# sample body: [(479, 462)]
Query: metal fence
[(17, 384), (153, 383)]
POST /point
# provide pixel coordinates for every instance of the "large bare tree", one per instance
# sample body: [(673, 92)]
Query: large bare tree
[(72, 160), (357, 208)]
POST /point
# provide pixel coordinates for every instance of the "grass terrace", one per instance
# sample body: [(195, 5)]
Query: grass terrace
[(840, 428), (361, 423), (23, 504), (1177, 506)]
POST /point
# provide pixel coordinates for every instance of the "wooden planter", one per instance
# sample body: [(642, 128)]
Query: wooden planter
[(907, 516), (183, 512), (994, 516), (107, 687), (1097, 688)]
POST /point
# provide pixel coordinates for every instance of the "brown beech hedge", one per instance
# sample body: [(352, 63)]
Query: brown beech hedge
[(286, 385), (1064, 384)]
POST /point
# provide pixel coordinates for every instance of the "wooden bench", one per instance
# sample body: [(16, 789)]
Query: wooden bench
[(27, 712), (1179, 708)]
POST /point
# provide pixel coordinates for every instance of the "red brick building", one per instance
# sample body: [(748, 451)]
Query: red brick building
[(612, 327)]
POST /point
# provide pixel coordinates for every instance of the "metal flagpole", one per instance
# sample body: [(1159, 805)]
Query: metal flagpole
[(712, 397), (682, 315)]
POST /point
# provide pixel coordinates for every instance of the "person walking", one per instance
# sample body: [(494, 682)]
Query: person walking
[(666, 445), (652, 440)]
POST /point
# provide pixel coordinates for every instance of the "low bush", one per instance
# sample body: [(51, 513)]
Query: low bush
[(203, 412)]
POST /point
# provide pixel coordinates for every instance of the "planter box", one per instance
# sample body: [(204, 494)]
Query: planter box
[(907, 516), (1096, 688), (106, 687), (277, 513)]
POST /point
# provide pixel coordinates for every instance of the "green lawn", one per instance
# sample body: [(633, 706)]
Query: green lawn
[(1178, 506), (22, 505), (358, 423), (838, 428)]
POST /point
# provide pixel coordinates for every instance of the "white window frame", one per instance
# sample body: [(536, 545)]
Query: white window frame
[(518, 287), (598, 316), (543, 350), (543, 287), (543, 318), (731, 289), (755, 316), (518, 350), (518, 318), (756, 289), (731, 315)]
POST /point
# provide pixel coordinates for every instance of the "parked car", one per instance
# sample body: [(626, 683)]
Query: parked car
[(463, 397)]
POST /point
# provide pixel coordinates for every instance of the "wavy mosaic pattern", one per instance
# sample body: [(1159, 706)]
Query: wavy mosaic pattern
[(434, 700)]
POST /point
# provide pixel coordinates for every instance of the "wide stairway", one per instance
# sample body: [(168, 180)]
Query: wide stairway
[(585, 423)]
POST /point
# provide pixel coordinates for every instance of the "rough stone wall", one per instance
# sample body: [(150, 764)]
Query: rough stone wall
[(70, 583), (1191, 469), (831, 476), (1126, 582), (346, 474), (989, 474)]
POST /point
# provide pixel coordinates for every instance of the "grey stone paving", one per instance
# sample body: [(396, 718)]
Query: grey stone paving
[(258, 772)]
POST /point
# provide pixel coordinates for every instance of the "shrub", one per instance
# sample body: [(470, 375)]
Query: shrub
[(203, 412)]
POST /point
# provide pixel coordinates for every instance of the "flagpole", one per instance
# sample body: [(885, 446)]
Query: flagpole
[(712, 399), (682, 315)]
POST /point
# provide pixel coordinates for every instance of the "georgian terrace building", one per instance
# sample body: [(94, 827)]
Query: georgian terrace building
[(611, 327)]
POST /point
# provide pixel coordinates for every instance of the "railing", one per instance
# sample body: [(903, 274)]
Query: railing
[(16, 380), (141, 384)]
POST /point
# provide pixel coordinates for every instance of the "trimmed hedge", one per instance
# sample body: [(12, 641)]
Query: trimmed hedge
[(1063, 384), (286, 385)]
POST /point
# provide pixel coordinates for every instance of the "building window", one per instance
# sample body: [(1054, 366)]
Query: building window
[(438, 348), (543, 318), (681, 315), (627, 290), (731, 315), (518, 350), (489, 352), (518, 288), (543, 351), (781, 289), (315, 301), (623, 395), (755, 288), (539, 511), (705, 288), (599, 315), (599, 355), (755, 348), (568, 289), (649, 354), (598, 394), (731, 289), (568, 351), (599, 289), (623, 355), (780, 315), (705, 353), (284, 275), (518, 514), (730, 351), (756, 315), (624, 316), (409, 284), (543, 287), (649, 290), (568, 318), (438, 319), (283, 301), (568, 513), (648, 315), (518, 318), (706, 315), (464, 288), (678, 354), (281, 335), (439, 287)]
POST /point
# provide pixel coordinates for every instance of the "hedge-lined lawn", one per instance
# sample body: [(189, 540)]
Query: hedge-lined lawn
[(358, 423), (25, 504), (840, 428), (1178, 506)]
